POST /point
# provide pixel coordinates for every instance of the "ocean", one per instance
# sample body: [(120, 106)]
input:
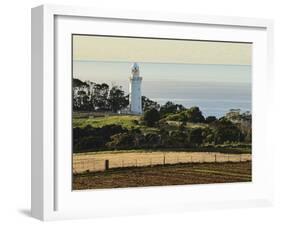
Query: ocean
[(213, 98)]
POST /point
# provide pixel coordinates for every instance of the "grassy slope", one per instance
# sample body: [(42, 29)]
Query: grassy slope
[(126, 121)]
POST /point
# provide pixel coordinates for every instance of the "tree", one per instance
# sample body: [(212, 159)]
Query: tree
[(94, 138), (100, 96), (210, 119), (226, 131), (194, 115), (151, 117), (180, 107), (78, 83), (80, 95), (148, 104), (81, 101), (208, 135), (196, 136), (152, 140), (168, 108), (177, 138), (121, 140), (117, 99)]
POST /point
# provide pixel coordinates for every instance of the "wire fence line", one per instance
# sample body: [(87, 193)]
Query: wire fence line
[(81, 165)]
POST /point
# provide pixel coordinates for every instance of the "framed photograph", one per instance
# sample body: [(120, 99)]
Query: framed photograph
[(137, 112)]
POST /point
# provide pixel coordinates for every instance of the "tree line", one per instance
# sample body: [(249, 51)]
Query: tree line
[(100, 97)]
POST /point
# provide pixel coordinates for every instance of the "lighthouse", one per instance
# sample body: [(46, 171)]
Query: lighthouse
[(135, 90)]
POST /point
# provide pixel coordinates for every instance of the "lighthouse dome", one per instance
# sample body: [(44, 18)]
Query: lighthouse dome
[(135, 69)]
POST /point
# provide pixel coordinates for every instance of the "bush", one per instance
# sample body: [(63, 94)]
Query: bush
[(94, 138), (194, 115), (226, 131), (188, 115), (196, 136), (210, 119), (121, 140), (151, 117)]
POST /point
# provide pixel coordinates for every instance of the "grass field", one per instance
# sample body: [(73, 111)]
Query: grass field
[(177, 174), (95, 161), (127, 121)]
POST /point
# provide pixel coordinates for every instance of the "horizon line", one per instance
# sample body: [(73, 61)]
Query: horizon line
[(146, 62)]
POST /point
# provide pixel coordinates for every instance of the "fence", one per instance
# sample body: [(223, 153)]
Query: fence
[(85, 164)]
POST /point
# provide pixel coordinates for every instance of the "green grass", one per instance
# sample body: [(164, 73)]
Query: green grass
[(126, 121)]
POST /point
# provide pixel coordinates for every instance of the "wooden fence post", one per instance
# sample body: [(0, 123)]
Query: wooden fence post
[(106, 164)]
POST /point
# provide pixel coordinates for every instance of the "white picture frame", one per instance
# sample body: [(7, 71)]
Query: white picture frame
[(52, 197)]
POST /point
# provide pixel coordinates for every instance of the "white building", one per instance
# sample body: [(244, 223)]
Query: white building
[(135, 100)]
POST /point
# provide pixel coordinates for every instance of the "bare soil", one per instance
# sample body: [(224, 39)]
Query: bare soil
[(159, 175)]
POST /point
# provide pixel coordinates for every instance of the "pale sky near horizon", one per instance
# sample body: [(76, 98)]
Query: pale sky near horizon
[(101, 48), (109, 59)]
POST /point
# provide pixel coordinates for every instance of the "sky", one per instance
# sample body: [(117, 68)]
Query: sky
[(98, 71), (109, 59), (101, 48)]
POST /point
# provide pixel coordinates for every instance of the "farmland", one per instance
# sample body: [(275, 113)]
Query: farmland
[(174, 174), (138, 158)]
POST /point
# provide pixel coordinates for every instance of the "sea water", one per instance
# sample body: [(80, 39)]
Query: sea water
[(213, 98)]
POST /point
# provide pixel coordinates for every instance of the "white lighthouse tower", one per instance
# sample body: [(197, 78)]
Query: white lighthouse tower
[(135, 90)]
